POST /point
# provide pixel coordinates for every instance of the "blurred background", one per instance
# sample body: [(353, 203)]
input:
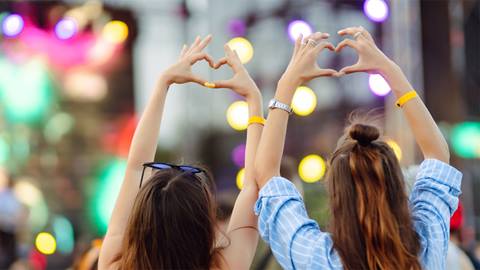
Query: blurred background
[(74, 76)]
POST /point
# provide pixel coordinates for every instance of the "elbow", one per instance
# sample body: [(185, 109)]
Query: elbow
[(264, 172)]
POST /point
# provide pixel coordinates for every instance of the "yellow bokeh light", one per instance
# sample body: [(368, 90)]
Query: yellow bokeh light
[(243, 47), (237, 115), (311, 168), (115, 31), (45, 243), (240, 178), (396, 149), (304, 101)]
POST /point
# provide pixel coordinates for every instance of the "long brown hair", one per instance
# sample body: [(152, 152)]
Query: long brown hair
[(371, 224), (172, 224)]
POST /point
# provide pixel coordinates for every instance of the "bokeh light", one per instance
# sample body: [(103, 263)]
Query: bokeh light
[(396, 148), (238, 155), (237, 27), (243, 47), (84, 85), (66, 28), (63, 230), (465, 139), (297, 27), (59, 125), (12, 25), (237, 115), (4, 151), (45, 243), (34, 100), (376, 10), (109, 180), (27, 193), (115, 32), (312, 168), (304, 101), (378, 85), (240, 178)]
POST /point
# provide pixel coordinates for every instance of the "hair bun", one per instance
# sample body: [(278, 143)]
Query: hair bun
[(364, 134)]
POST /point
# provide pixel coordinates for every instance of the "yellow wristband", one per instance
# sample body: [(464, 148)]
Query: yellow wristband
[(256, 120), (405, 98)]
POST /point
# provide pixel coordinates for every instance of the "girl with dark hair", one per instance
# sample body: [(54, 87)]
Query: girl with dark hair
[(169, 222), (373, 224)]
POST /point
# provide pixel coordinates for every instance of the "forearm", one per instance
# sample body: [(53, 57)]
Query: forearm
[(426, 132), (142, 149), (254, 132), (270, 149)]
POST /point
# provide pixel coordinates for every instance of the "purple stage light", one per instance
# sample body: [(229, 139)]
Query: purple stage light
[(237, 28), (297, 27), (12, 25), (378, 85), (376, 10), (65, 28), (238, 155)]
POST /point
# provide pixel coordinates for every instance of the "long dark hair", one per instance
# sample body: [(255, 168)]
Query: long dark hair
[(172, 224), (371, 224)]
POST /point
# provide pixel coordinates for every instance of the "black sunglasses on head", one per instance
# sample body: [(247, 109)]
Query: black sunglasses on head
[(163, 166)]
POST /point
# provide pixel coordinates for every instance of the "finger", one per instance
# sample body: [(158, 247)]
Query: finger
[(202, 56), (321, 72), (324, 45), (184, 50), (194, 44), (350, 31), (223, 84), (199, 80), (346, 43), (232, 58), (203, 44), (351, 69), (298, 44), (366, 34), (220, 63), (314, 40)]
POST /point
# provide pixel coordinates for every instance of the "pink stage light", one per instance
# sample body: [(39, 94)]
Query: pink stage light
[(297, 27), (378, 85), (12, 25), (376, 10), (238, 155), (66, 28)]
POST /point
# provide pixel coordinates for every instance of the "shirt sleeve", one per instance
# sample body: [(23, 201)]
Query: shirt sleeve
[(295, 240), (433, 200)]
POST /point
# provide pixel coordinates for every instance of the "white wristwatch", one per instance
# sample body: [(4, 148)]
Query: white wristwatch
[(275, 104)]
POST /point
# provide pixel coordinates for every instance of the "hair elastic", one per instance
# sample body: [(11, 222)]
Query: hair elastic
[(405, 98), (256, 120)]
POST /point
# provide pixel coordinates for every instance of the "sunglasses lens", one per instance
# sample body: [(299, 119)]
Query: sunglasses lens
[(161, 166), (189, 169)]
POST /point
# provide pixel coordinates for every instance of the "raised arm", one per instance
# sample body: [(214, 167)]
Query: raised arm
[(371, 59), (241, 229), (144, 145), (302, 68)]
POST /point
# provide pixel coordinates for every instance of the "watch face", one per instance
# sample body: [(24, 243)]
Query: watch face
[(271, 104)]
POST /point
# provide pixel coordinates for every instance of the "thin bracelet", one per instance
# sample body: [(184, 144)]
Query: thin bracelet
[(256, 120), (405, 98)]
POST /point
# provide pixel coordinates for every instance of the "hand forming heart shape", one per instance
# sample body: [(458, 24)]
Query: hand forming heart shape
[(303, 66)]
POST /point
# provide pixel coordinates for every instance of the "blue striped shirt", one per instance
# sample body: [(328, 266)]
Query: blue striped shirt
[(298, 243)]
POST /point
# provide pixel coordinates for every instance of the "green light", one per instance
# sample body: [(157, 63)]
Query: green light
[(59, 125), (465, 139), (4, 151), (109, 181), (63, 230), (26, 91)]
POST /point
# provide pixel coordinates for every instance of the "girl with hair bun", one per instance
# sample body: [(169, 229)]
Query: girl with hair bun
[(374, 225)]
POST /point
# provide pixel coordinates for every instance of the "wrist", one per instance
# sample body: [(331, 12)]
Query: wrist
[(290, 81), (163, 83)]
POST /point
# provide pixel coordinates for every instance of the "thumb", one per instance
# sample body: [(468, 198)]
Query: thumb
[(351, 69), (223, 84), (325, 72)]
